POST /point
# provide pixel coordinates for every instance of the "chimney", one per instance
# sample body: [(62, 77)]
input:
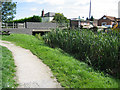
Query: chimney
[(42, 13)]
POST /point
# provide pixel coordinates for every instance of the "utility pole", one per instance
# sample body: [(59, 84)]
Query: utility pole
[(90, 10)]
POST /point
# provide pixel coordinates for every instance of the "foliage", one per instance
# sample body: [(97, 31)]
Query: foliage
[(60, 18), (98, 50), (29, 19), (91, 18), (7, 68), (94, 29), (87, 18), (70, 72), (8, 11)]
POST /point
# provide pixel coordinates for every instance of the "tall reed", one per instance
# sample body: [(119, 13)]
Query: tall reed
[(100, 50)]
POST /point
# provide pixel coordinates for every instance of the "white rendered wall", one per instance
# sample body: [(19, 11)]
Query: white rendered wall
[(47, 19)]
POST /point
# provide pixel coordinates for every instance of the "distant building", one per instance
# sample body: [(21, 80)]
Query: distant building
[(107, 21), (95, 22), (48, 17), (75, 22)]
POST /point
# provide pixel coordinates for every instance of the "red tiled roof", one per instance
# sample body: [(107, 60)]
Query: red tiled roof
[(110, 17)]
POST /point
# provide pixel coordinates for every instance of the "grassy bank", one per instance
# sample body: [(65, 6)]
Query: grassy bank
[(70, 72), (7, 69)]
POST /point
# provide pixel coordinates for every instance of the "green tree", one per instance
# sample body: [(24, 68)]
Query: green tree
[(29, 19), (8, 11), (91, 19), (60, 18), (87, 18), (35, 19)]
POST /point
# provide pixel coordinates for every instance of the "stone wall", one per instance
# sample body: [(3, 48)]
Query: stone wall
[(19, 30), (38, 25), (30, 26)]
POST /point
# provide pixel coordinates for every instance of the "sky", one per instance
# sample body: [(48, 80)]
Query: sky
[(70, 8)]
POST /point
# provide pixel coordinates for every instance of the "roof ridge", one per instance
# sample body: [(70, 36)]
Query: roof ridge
[(111, 17)]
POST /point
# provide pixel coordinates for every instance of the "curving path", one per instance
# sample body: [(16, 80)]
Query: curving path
[(31, 72)]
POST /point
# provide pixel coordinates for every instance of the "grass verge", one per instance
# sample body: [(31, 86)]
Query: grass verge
[(70, 72), (7, 69)]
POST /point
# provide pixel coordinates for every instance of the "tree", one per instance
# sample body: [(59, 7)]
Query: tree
[(29, 19), (60, 18), (87, 18), (35, 19), (91, 19), (8, 11)]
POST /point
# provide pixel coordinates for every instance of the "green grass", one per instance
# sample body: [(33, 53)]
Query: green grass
[(70, 72), (7, 69)]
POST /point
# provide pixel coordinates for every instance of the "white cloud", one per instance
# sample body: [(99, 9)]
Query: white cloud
[(24, 1), (75, 8), (54, 2), (51, 2), (33, 9), (99, 8), (30, 0)]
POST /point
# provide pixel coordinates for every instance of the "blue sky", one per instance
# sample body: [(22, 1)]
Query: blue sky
[(70, 8)]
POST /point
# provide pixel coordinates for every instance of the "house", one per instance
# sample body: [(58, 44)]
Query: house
[(95, 22), (48, 17), (107, 21), (76, 23)]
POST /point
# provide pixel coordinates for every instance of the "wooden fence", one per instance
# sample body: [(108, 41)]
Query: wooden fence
[(13, 25)]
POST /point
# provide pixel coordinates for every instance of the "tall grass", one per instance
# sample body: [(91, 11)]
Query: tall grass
[(98, 50)]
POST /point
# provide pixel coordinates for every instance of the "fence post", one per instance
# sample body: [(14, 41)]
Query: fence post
[(13, 24), (6, 25), (24, 25)]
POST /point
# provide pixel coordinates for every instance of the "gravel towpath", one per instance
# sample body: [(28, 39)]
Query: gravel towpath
[(31, 72)]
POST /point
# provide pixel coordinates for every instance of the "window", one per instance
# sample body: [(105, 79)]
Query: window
[(104, 23), (104, 17)]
